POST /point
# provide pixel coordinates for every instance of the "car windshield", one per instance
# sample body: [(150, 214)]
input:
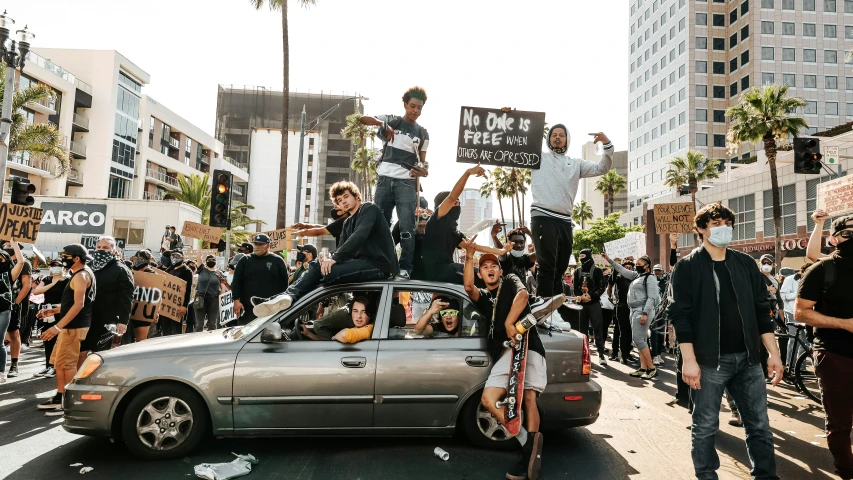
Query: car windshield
[(247, 330)]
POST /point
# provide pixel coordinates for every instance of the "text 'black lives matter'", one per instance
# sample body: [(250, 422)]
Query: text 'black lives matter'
[(491, 136)]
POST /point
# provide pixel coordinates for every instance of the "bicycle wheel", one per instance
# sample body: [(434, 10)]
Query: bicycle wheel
[(807, 381)]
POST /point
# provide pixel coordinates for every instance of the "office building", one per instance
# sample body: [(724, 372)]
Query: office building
[(599, 202), (474, 208)]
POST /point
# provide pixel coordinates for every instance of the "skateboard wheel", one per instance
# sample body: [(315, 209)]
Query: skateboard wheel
[(517, 346), (518, 337), (511, 400)]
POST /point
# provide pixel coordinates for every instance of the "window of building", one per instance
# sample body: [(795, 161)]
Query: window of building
[(789, 54), (787, 4), (744, 7), (682, 94), (830, 56), (732, 65), (683, 23), (701, 66), (682, 47), (701, 43), (768, 53), (788, 198), (849, 84), (744, 33), (830, 82), (118, 188), (719, 91), (719, 43), (809, 55), (701, 139), (767, 28), (719, 116), (744, 210), (810, 107), (848, 31), (744, 83), (848, 6), (733, 90), (810, 81), (809, 30), (831, 108), (702, 91), (123, 154), (133, 231), (719, 20), (701, 19), (701, 115), (788, 28), (789, 80), (682, 118), (830, 31), (744, 57), (767, 4), (768, 78), (682, 142), (829, 6), (719, 140), (732, 17), (719, 68), (808, 6), (733, 41)]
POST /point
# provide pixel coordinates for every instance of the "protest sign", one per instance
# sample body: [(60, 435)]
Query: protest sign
[(19, 223), (492, 136), (599, 260), (203, 232), (226, 308), (280, 239), (674, 217), (836, 196), (174, 290), (147, 296), (632, 245)]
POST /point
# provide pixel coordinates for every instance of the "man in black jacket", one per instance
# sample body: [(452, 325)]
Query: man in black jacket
[(113, 301), (719, 309), (366, 251), (588, 286), (260, 274)]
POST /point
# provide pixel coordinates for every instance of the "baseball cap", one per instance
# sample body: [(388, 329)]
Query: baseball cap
[(658, 267), (840, 223), (767, 256), (246, 245), (209, 257), (168, 226), (488, 256), (308, 248), (55, 262), (261, 238), (77, 250)]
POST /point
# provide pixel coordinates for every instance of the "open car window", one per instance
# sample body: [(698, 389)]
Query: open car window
[(325, 316), (409, 319)]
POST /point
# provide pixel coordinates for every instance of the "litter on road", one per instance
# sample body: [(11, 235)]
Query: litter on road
[(240, 466), (85, 470), (75, 465), (441, 453)]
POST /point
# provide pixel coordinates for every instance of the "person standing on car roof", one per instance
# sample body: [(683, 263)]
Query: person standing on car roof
[(423, 215), (261, 275), (504, 301)]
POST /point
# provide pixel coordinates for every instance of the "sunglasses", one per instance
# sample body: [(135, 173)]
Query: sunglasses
[(449, 313), (845, 234)]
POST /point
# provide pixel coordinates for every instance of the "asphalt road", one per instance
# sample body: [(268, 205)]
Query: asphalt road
[(651, 441)]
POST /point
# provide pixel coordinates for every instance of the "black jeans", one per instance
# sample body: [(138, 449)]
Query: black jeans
[(449, 272), (349, 271), (591, 315), (553, 241), (622, 332), (207, 318)]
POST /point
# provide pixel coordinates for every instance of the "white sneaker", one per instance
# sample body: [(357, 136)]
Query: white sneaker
[(657, 360), (2, 377), (274, 305), (602, 360), (541, 307), (404, 275)]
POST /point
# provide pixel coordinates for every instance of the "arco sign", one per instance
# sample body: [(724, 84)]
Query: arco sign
[(73, 218)]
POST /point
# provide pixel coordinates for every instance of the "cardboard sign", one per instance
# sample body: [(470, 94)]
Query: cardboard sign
[(147, 296), (491, 136), (226, 308), (836, 196), (599, 260), (174, 290), (632, 245), (674, 217), (91, 241), (203, 232), (19, 223), (281, 239)]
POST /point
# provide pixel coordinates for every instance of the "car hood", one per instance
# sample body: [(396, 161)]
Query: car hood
[(186, 344)]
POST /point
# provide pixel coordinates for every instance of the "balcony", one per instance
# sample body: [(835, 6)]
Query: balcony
[(77, 149), (174, 143), (25, 162), (204, 159), (46, 106), (241, 166), (74, 178), (162, 179), (153, 196), (79, 123)]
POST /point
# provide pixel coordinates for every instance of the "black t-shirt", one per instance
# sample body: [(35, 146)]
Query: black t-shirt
[(6, 292), (440, 241), (19, 284), (54, 295), (838, 304), (336, 228), (622, 284), (84, 317), (511, 286), (518, 266), (731, 323)]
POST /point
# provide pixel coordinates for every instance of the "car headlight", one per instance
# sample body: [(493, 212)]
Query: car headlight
[(89, 366)]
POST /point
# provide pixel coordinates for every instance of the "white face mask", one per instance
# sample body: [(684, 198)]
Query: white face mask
[(767, 268), (516, 253), (55, 270), (720, 236)]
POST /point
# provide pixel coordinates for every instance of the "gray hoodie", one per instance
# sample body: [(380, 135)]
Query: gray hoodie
[(643, 292)]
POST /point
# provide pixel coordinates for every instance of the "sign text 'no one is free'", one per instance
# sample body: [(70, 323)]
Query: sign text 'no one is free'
[(510, 138)]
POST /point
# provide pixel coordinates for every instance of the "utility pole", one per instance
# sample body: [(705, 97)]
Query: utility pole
[(298, 203)]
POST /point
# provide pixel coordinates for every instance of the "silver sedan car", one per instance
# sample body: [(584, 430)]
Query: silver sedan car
[(163, 396)]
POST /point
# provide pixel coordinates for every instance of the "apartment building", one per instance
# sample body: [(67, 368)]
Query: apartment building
[(691, 59), (600, 202)]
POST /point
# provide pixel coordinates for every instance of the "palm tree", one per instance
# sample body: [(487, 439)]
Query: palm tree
[(504, 188), (582, 211), (363, 162), (522, 181), (488, 188), (281, 216), (691, 170), (765, 115), (610, 184), (39, 140)]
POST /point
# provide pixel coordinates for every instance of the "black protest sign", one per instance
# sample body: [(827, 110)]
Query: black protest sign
[(19, 223), (492, 136), (91, 241)]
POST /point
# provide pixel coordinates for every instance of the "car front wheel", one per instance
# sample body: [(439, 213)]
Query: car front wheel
[(484, 430), (164, 421)]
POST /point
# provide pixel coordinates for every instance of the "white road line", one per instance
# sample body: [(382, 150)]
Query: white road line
[(17, 454), (10, 401)]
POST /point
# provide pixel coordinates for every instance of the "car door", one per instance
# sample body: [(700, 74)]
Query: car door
[(306, 383), (420, 382)]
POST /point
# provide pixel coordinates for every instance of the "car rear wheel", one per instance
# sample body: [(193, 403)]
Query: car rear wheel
[(484, 430), (164, 421)]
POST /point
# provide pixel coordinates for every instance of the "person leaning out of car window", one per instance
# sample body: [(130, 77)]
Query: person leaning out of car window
[(447, 326), (351, 326)]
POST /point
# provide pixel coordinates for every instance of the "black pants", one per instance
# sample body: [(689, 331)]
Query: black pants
[(206, 318), (448, 272), (622, 341), (169, 326), (553, 241), (591, 315), (349, 271)]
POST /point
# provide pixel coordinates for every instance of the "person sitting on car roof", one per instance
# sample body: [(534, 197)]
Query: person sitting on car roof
[(448, 326)]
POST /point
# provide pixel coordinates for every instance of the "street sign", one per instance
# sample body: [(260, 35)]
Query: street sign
[(830, 155)]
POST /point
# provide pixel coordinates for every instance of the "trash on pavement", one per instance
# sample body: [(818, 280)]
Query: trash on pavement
[(790, 432), (85, 470), (637, 404), (240, 466), (441, 453), (76, 465), (822, 435), (632, 451)]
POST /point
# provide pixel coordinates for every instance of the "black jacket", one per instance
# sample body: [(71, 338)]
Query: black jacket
[(695, 312), (115, 294), (366, 236), (181, 271), (595, 282), (256, 276)]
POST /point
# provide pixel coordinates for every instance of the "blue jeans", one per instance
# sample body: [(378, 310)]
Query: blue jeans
[(402, 194), (5, 318), (746, 385)]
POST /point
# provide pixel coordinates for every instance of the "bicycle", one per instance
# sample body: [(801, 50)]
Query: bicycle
[(801, 374)]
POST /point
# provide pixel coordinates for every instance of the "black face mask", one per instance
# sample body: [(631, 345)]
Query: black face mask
[(300, 257), (5, 266), (454, 213), (211, 263), (845, 249), (640, 269), (68, 262)]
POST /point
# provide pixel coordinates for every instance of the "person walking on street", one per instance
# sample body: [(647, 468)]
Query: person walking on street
[(206, 302), (113, 303), (719, 308), (76, 313), (788, 293), (20, 308), (178, 269), (9, 273), (643, 295), (403, 161), (589, 286), (52, 288), (622, 336), (261, 274), (824, 302), (554, 187)]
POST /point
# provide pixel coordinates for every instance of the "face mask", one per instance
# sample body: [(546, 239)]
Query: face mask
[(211, 263), (845, 249), (721, 236), (5, 267), (454, 213), (101, 258), (55, 270), (641, 269), (259, 251), (68, 262), (767, 268), (516, 253), (140, 262), (300, 257), (177, 261)]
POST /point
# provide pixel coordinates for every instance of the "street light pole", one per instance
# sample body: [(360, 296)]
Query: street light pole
[(15, 56)]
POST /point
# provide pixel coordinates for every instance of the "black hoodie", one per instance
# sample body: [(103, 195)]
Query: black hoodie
[(594, 277)]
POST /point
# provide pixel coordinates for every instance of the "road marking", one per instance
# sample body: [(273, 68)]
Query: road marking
[(11, 401)]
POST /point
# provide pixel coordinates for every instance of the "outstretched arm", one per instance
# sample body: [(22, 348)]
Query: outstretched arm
[(451, 199), (468, 275), (594, 169), (813, 248)]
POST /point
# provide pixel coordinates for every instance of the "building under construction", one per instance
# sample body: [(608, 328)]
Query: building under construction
[(249, 122)]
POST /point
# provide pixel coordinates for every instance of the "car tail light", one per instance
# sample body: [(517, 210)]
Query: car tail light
[(587, 365), (573, 398)]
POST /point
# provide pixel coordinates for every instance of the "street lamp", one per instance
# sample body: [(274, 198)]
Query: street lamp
[(15, 55), (312, 124)]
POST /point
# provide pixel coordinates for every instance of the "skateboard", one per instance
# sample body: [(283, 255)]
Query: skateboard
[(515, 386)]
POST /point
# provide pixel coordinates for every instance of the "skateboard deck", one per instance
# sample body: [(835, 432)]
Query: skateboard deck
[(515, 386)]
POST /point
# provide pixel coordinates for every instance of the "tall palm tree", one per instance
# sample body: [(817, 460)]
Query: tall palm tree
[(766, 115), (281, 5), (39, 140), (610, 184), (582, 211), (489, 187), (504, 188), (692, 170), (363, 162), (522, 181)]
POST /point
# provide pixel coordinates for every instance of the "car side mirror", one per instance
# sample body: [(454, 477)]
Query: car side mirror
[(271, 333)]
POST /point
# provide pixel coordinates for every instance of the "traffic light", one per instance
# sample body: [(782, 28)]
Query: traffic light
[(220, 204), (22, 190), (807, 155)]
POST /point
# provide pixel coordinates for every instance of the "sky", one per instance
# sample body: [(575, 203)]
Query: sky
[(567, 58)]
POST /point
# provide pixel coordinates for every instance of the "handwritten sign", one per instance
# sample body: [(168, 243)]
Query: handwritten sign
[(203, 232), (174, 290), (633, 244), (674, 217), (491, 136), (19, 223), (198, 255), (226, 308), (281, 239), (836, 196), (147, 296)]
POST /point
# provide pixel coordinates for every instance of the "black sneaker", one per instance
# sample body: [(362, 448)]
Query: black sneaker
[(519, 471), (54, 412), (542, 307), (13, 371), (650, 374), (534, 463), (639, 373), (52, 403), (43, 372)]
